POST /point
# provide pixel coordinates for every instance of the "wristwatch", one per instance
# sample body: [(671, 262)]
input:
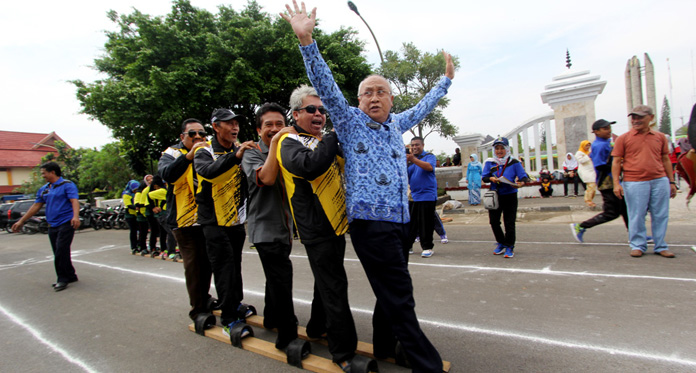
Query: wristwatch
[(673, 183)]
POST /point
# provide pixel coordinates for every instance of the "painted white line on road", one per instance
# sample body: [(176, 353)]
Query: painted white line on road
[(543, 271), (48, 259), (46, 342), (566, 243), (466, 328)]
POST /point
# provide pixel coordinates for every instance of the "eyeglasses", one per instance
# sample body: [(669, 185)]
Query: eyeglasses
[(193, 133), (379, 93), (311, 109)]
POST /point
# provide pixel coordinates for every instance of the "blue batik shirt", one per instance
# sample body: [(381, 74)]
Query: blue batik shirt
[(375, 170)]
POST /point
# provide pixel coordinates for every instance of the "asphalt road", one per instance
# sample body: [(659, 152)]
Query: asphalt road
[(557, 306)]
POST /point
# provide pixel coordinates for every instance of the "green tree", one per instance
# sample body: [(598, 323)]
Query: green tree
[(666, 119), (106, 169), (162, 70), (411, 77)]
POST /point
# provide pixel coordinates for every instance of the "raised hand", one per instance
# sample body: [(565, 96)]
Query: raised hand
[(449, 67), (301, 23)]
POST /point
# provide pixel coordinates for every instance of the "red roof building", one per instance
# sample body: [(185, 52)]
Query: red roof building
[(20, 152)]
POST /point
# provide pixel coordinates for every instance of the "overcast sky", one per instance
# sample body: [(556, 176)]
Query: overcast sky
[(509, 50)]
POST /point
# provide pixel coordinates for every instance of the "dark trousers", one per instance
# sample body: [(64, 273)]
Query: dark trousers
[(439, 227), (167, 240), (154, 231), (380, 247), (61, 238), (133, 227), (576, 180), (422, 223), (507, 207), (197, 270), (278, 311), (331, 282), (142, 233), (225, 246), (612, 208)]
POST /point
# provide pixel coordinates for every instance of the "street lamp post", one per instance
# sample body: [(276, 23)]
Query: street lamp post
[(355, 9)]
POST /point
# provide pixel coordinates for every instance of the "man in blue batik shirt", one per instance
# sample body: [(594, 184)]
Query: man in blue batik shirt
[(421, 178), (376, 191), (63, 215)]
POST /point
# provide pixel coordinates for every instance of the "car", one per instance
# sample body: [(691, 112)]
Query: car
[(3, 214), (18, 210)]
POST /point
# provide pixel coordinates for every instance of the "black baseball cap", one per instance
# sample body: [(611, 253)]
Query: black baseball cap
[(601, 124), (225, 115)]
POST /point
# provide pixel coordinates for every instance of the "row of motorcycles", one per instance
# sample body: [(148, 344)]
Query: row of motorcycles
[(110, 218)]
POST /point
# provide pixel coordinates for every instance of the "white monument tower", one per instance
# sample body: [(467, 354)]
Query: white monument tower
[(571, 95)]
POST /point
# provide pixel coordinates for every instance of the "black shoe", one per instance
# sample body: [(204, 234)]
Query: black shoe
[(60, 286)]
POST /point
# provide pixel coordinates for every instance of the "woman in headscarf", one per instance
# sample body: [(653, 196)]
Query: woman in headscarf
[(570, 173), (128, 197), (586, 171), (473, 179), (502, 164)]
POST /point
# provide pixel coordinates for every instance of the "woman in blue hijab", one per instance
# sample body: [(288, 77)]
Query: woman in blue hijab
[(129, 205), (473, 179)]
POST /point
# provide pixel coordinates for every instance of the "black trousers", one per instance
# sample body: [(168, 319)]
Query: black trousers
[(61, 238), (380, 247), (422, 223), (278, 311), (133, 227), (154, 231), (142, 233), (224, 246), (507, 207), (197, 270), (331, 282), (575, 179), (612, 208)]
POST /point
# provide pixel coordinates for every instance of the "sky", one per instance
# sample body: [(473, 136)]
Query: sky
[(508, 50)]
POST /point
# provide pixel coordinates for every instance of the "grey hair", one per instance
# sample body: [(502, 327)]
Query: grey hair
[(299, 94), (372, 76)]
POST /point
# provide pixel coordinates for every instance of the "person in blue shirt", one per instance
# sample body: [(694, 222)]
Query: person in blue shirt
[(613, 206), (503, 164), (63, 216), (421, 179), (376, 191)]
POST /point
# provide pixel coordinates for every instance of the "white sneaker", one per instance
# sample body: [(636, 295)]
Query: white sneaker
[(427, 253), (443, 239)]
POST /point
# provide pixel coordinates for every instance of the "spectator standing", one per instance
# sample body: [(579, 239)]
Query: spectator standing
[(502, 164), (648, 183), (457, 158), (421, 179), (586, 171), (63, 214), (474, 170)]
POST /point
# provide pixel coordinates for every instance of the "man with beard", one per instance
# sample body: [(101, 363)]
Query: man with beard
[(221, 199), (311, 166), (176, 168)]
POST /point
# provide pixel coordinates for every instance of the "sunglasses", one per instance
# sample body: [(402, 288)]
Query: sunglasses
[(193, 133), (311, 109)]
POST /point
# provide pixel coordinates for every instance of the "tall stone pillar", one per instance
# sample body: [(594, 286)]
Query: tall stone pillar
[(571, 95), (468, 144), (634, 85)]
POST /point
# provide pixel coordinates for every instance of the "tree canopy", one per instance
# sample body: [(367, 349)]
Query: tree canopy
[(412, 76), (162, 70)]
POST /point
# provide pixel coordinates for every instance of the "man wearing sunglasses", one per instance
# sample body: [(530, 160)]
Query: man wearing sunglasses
[(376, 187), (176, 168), (311, 165), (222, 209)]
